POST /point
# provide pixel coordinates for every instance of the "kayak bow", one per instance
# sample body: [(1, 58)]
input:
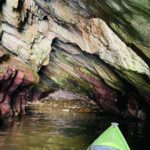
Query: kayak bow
[(111, 139)]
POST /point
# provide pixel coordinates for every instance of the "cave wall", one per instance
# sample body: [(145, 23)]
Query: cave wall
[(99, 49)]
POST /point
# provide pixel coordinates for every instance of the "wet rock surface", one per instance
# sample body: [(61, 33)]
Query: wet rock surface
[(74, 105), (15, 80), (98, 49), (64, 101)]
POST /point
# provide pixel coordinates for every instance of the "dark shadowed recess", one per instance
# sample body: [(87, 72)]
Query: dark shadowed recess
[(2, 2)]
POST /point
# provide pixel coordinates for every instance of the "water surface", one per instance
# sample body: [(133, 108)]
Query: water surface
[(67, 131)]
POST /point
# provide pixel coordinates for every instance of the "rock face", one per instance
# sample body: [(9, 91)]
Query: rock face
[(97, 49), (15, 80)]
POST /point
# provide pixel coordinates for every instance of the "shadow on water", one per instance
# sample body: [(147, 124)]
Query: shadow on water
[(67, 131)]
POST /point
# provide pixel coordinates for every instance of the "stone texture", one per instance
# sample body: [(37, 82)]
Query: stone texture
[(99, 46), (15, 80), (83, 73), (128, 18)]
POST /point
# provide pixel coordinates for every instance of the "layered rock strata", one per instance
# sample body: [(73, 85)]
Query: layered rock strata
[(99, 48)]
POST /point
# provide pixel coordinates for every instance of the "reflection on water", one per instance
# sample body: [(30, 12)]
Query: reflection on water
[(66, 131)]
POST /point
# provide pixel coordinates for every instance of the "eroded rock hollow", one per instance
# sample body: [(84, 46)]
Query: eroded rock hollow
[(98, 49)]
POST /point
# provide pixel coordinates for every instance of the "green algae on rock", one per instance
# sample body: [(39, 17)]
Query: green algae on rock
[(95, 48)]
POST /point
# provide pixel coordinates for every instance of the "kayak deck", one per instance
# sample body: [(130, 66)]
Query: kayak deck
[(102, 148), (111, 139)]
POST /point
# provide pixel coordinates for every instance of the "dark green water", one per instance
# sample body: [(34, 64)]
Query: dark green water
[(66, 131)]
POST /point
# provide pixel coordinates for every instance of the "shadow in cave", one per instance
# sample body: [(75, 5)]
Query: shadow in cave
[(2, 2)]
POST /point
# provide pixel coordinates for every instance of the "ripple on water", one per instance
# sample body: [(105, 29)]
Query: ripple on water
[(67, 131)]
